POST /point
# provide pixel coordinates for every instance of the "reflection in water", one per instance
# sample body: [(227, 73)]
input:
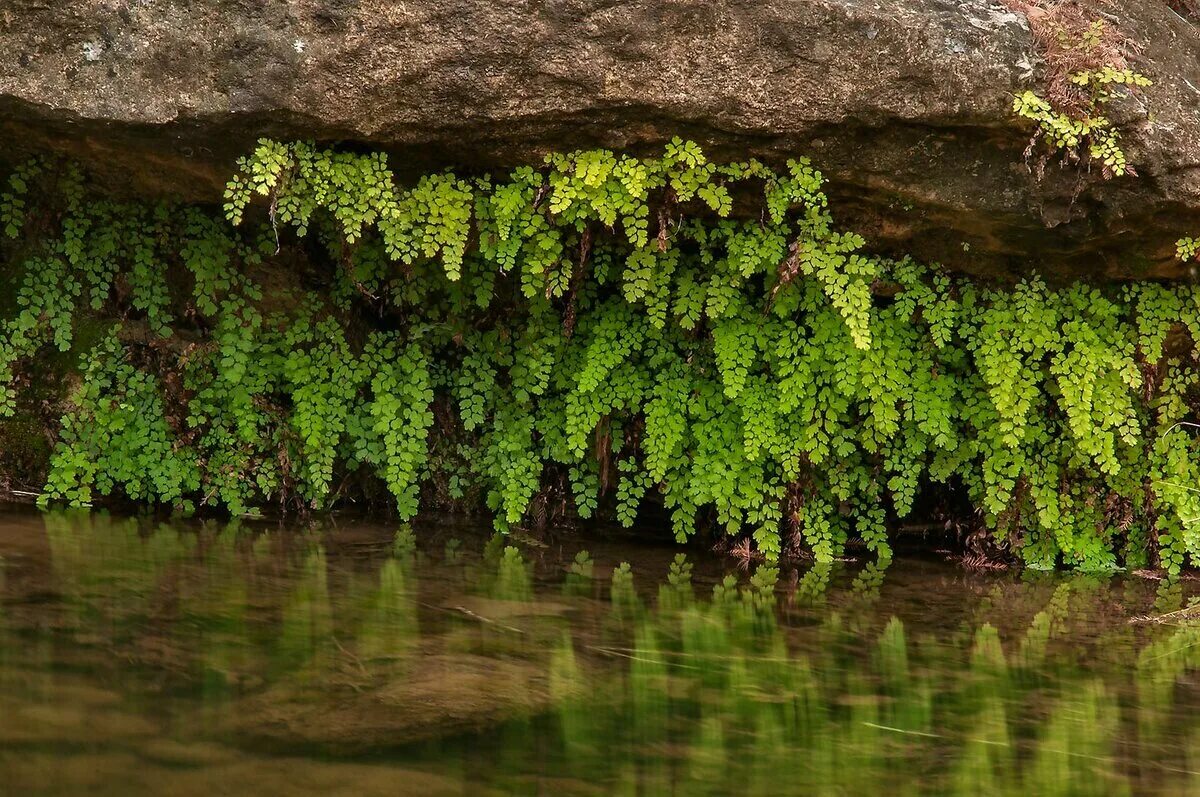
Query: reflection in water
[(142, 658)]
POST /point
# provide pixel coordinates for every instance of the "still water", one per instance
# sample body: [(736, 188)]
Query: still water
[(138, 657)]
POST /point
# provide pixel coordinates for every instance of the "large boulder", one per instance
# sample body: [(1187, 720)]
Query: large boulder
[(905, 104)]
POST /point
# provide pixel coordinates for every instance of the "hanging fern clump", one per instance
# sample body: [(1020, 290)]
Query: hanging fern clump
[(601, 333)]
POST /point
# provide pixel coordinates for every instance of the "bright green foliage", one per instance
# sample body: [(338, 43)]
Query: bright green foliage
[(1097, 132), (119, 437), (1188, 248), (612, 332), (402, 394), (46, 302)]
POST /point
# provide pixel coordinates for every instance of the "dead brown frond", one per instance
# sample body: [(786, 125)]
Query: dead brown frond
[(1118, 512), (788, 270), (981, 550), (1074, 37), (743, 552)]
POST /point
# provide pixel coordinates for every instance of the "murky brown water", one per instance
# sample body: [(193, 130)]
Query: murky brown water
[(146, 658)]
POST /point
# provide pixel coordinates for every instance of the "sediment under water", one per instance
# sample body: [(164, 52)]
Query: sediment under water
[(139, 657)]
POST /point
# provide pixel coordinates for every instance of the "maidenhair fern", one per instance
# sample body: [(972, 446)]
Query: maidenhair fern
[(1188, 248), (605, 330), (1091, 136)]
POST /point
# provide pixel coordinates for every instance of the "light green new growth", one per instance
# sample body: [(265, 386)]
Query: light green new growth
[(1188, 249), (1094, 131)]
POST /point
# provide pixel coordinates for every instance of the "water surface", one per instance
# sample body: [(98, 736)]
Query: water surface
[(140, 657)]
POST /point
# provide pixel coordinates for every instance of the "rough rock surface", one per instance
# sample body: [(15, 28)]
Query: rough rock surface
[(905, 104)]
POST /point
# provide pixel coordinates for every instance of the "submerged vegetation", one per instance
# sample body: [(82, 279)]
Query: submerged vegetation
[(598, 334)]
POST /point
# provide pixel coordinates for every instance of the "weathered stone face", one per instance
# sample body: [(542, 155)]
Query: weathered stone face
[(905, 104)]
